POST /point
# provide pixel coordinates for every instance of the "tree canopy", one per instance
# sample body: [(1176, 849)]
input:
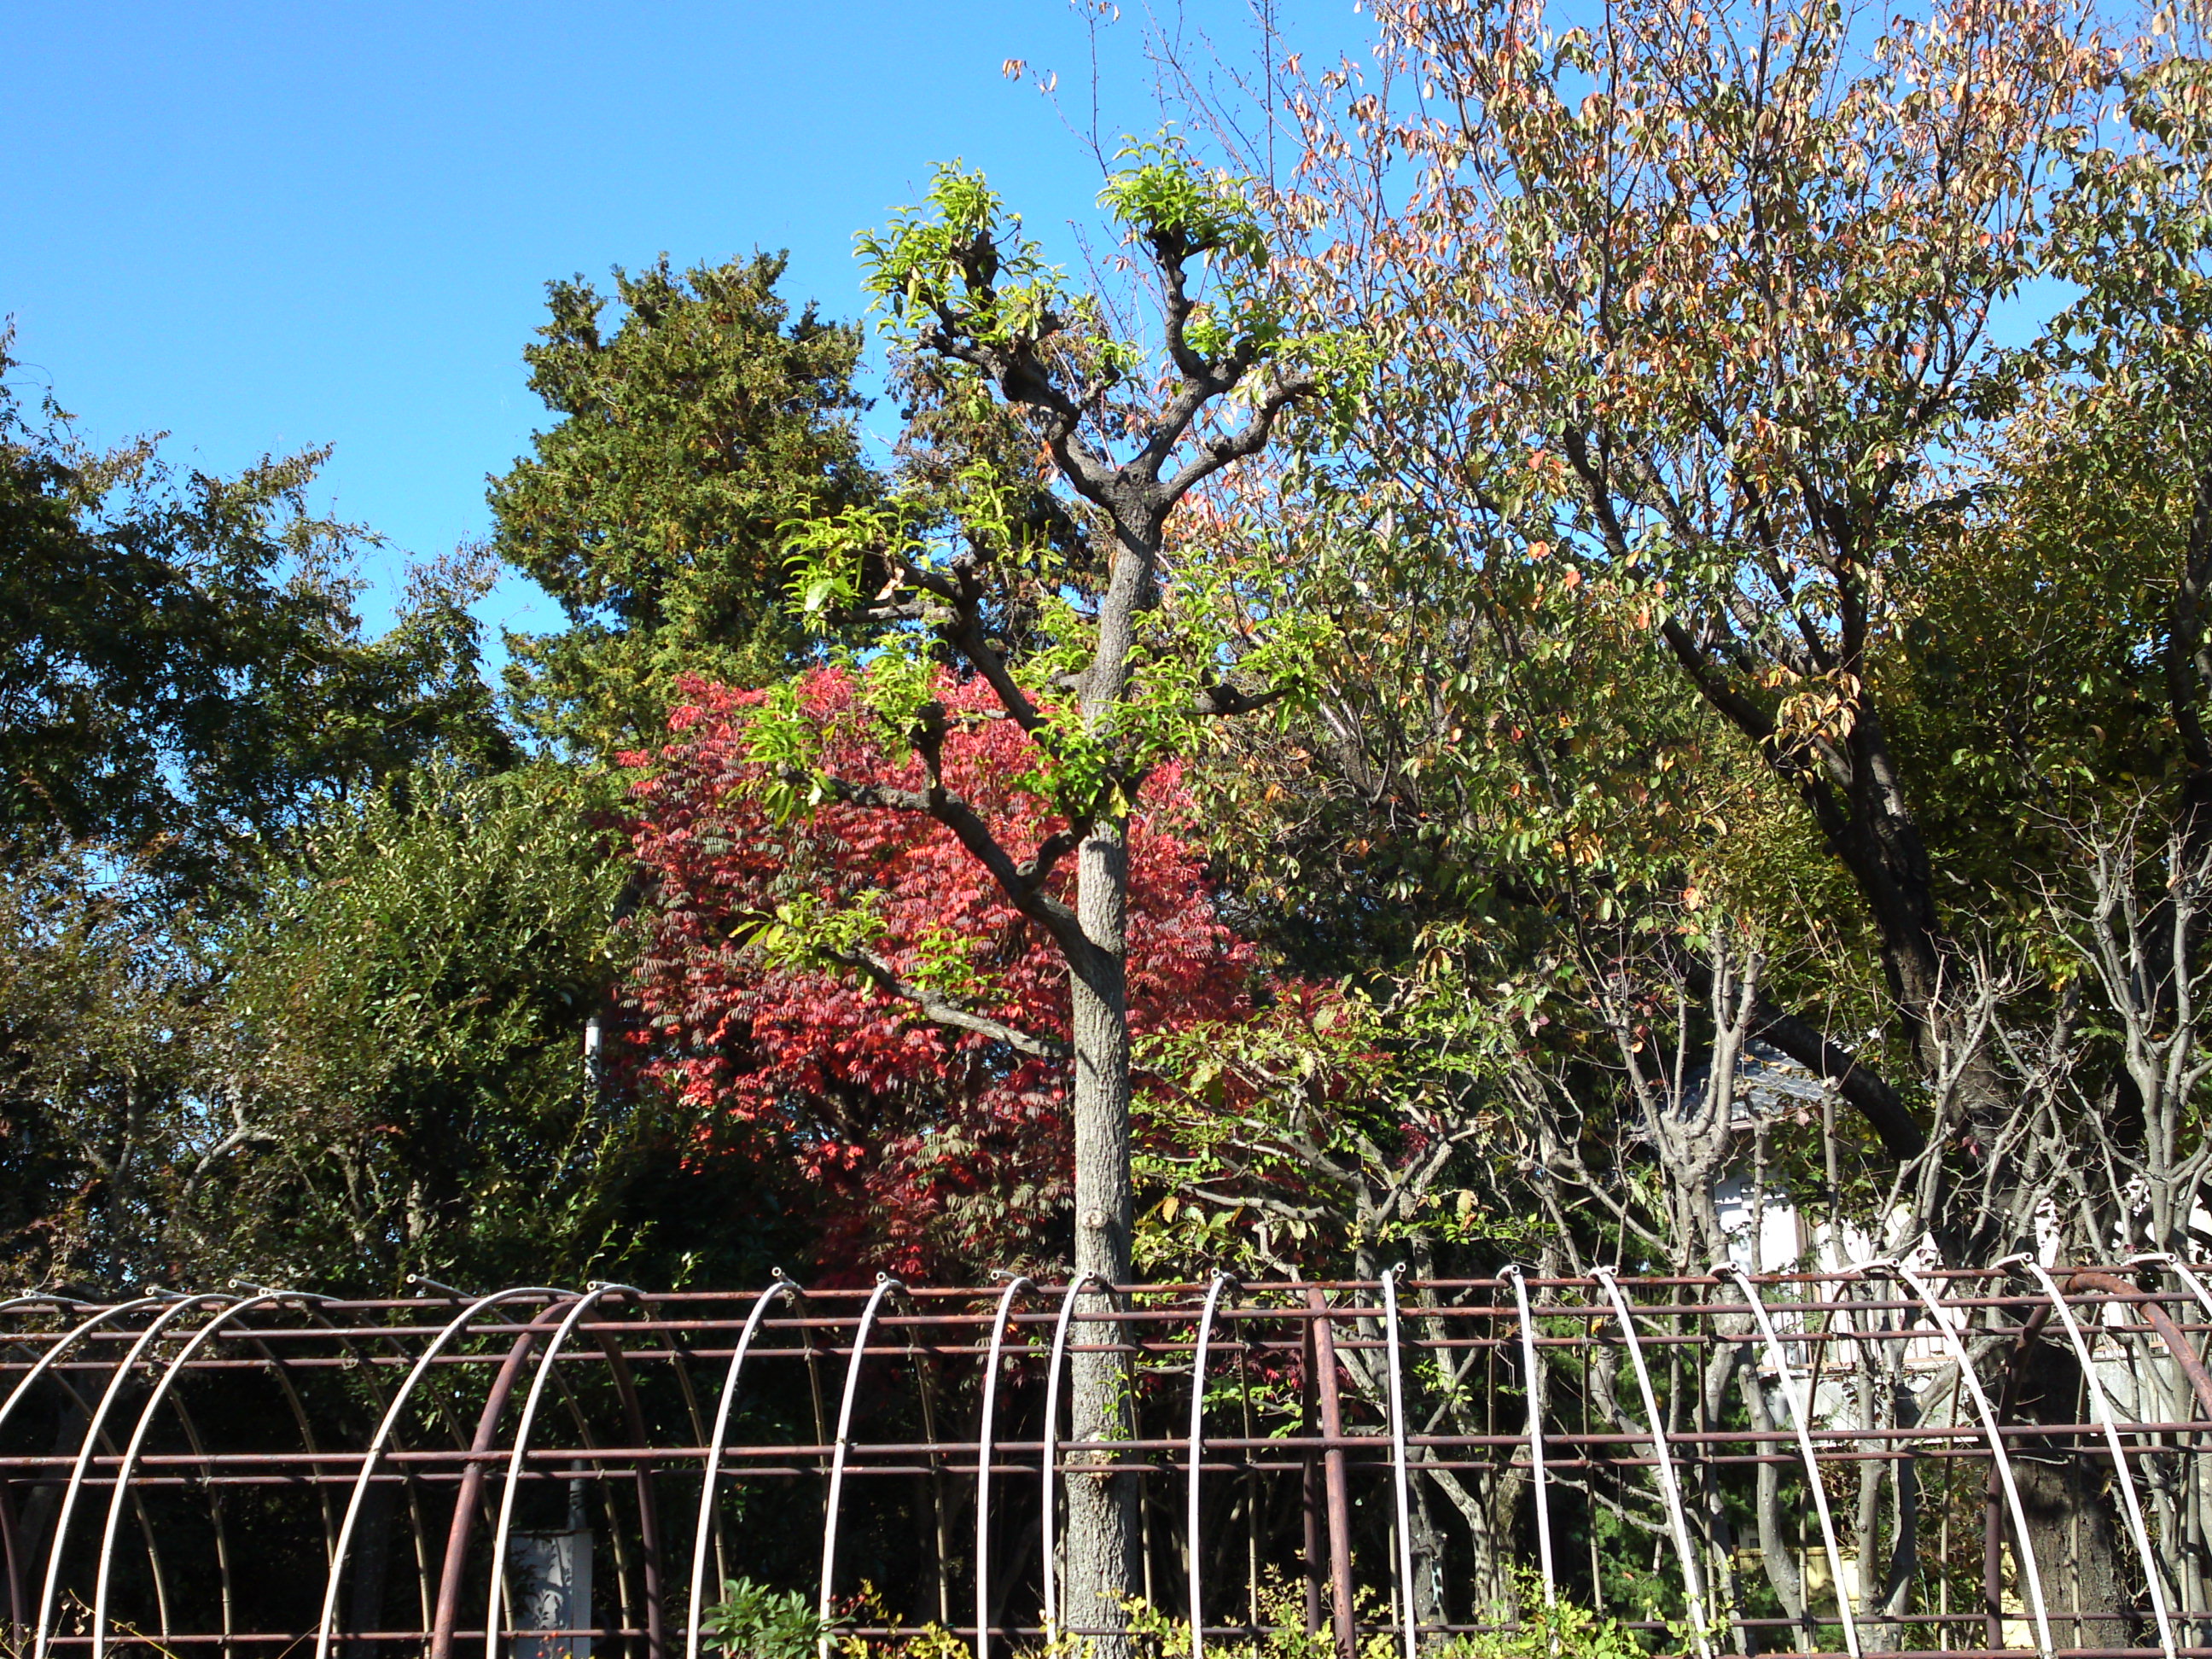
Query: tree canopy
[(182, 671), (688, 436)]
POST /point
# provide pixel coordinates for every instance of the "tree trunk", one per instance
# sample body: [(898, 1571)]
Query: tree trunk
[(2065, 1490), (1102, 1509)]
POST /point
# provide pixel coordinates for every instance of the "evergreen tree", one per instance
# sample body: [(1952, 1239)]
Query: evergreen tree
[(690, 433)]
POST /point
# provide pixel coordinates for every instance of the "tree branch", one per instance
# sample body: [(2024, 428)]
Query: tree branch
[(940, 1010), (1249, 439), (1869, 1091), (1224, 699), (968, 827)]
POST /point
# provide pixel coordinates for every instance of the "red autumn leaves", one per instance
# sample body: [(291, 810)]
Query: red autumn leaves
[(906, 1145)]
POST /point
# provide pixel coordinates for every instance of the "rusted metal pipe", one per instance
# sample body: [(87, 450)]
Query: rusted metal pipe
[(1335, 1479)]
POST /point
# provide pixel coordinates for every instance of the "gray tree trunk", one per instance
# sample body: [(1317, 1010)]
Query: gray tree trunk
[(1102, 1509)]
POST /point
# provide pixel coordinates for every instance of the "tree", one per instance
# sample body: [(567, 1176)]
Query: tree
[(1114, 680), (1701, 317), (847, 1010), (105, 1033), (653, 508), (404, 1082), (181, 669)]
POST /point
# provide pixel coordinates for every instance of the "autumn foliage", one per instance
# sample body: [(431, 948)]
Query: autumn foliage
[(915, 1147)]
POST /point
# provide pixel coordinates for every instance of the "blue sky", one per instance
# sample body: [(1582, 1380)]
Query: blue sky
[(263, 227)]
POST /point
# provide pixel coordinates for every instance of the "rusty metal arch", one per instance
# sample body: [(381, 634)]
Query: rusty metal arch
[(495, 1598)]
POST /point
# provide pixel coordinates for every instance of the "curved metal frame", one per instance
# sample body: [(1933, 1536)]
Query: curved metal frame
[(496, 1595), (386, 1428), (152, 1369), (1051, 1462), (1014, 1288), (66, 1342), (199, 1339), (782, 1287), (1533, 1383), (137, 1503), (1193, 1551), (1404, 1564), (885, 1285), (61, 1345), (1693, 1578), (1800, 1420), (417, 1530), (2030, 1569), (176, 1310), (2098, 1404)]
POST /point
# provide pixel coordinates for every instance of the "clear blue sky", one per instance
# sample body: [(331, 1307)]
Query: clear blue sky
[(263, 227)]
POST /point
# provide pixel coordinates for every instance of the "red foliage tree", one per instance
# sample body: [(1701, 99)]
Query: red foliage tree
[(918, 1146)]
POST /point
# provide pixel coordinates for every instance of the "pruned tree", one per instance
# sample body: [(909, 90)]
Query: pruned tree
[(1120, 665)]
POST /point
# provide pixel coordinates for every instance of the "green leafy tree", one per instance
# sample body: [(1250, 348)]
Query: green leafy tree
[(687, 436), (105, 1035), (1688, 338), (410, 1084), (181, 667)]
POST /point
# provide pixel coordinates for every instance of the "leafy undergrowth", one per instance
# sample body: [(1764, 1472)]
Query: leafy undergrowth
[(753, 1622)]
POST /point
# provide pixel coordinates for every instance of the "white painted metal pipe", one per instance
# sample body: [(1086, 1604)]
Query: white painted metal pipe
[(1800, 1420), (1194, 1537), (1670, 1492), (885, 1286), (2102, 1409), (177, 1309), (2029, 1569), (983, 1448), (1533, 1381), (1404, 1564), (129, 1466), (1051, 1460), (782, 1287)]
